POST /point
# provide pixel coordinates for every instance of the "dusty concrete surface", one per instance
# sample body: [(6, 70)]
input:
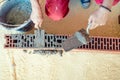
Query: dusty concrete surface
[(83, 65)]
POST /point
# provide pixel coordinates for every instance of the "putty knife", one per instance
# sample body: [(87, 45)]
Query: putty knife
[(80, 38)]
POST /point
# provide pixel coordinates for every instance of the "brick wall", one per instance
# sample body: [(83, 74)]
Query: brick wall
[(103, 43), (54, 41)]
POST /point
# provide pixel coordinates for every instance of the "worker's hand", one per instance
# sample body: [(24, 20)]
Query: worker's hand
[(98, 18), (37, 18)]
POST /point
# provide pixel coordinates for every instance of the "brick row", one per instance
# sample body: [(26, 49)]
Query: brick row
[(103, 43), (54, 41)]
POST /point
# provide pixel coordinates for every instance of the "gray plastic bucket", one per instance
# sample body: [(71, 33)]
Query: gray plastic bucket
[(5, 8)]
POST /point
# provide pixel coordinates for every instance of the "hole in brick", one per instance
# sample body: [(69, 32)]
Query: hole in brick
[(110, 48), (66, 37), (31, 40), (101, 39), (51, 44), (80, 46), (13, 45), (92, 46), (95, 45), (110, 41), (83, 46), (51, 37), (6, 45), (18, 40), (98, 47), (25, 39), (48, 39), (45, 44), (105, 41), (33, 37), (27, 43), (116, 41), (54, 39), (14, 41), (48, 45), (116, 48), (113, 46), (22, 37), (59, 41), (28, 36), (113, 40), (86, 46), (101, 45), (119, 46), (98, 40), (45, 37), (10, 37), (63, 37), (92, 41), (60, 46), (6, 36), (7, 42), (10, 45), (105, 47), (57, 36), (11, 41), (31, 45), (95, 39)]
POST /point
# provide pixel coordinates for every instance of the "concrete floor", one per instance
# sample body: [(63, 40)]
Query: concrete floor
[(15, 64)]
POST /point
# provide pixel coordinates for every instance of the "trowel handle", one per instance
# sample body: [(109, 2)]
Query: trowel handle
[(88, 27)]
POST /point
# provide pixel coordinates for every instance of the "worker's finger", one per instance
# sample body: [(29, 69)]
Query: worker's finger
[(37, 26), (96, 26), (40, 25), (90, 20), (101, 24), (93, 25), (88, 27)]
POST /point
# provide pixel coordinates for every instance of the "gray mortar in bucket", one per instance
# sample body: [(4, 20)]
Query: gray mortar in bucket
[(15, 14)]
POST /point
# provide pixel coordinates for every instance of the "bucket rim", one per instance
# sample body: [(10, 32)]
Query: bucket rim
[(16, 27)]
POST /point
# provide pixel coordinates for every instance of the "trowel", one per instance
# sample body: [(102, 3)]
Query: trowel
[(39, 38), (80, 38)]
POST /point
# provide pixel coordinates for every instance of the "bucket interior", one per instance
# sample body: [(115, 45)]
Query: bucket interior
[(15, 12)]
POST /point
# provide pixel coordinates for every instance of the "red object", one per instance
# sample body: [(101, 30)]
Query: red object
[(101, 1), (56, 9)]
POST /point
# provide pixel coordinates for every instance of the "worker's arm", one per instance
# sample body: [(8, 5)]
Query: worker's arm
[(36, 15), (100, 16)]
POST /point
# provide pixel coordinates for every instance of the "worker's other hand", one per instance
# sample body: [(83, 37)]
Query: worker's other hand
[(37, 18), (98, 18)]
